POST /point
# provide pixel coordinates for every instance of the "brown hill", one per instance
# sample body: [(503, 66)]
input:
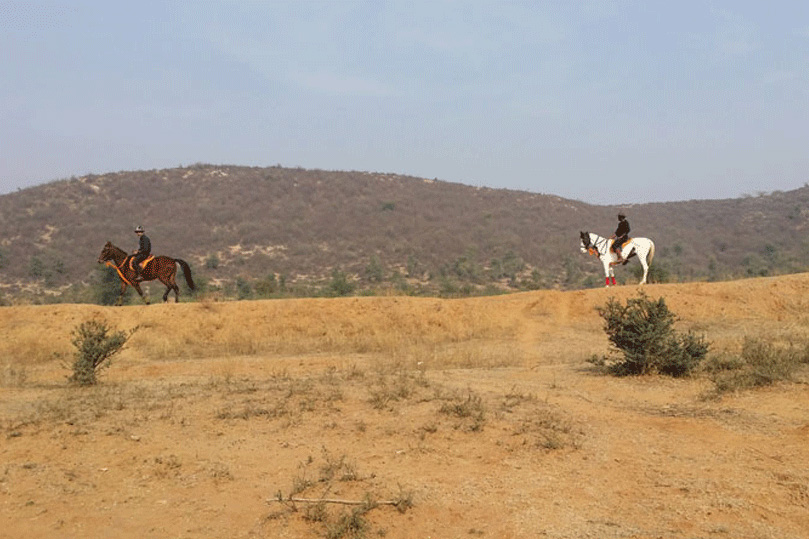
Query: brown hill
[(243, 227), (480, 417)]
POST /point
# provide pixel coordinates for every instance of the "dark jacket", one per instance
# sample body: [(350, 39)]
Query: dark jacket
[(623, 229), (145, 247)]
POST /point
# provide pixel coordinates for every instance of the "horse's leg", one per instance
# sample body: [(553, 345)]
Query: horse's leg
[(605, 260), (120, 300), (171, 284), (168, 288), (645, 264), (173, 280), (136, 286)]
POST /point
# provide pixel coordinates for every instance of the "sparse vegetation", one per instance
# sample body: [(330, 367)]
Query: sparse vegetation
[(761, 362), (107, 285), (401, 233), (340, 285), (642, 331), (350, 523), (470, 410)]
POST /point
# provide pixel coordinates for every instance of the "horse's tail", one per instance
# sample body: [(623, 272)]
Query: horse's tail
[(186, 271), (651, 254)]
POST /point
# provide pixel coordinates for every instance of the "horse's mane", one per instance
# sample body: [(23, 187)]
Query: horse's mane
[(115, 247)]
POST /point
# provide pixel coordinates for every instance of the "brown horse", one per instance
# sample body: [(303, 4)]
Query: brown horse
[(163, 268)]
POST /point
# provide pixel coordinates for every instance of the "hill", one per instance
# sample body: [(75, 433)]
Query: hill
[(479, 417), (278, 231)]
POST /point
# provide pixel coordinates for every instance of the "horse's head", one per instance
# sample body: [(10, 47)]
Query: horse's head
[(107, 253), (585, 241)]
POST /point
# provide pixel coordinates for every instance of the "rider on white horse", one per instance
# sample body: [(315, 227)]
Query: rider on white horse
[(600, 247), (620, 237)]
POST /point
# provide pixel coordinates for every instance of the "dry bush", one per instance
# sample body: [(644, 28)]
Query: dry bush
[(537, 424), (95, 344), (469, 410), (343, 522), (762, 362)]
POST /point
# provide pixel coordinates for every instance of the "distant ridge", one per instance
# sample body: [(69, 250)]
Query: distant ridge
[(378, 231)]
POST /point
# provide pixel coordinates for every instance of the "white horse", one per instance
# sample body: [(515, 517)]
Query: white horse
[(594, 244)]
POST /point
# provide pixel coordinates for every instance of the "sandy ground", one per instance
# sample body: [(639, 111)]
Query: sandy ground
[(478, 418)]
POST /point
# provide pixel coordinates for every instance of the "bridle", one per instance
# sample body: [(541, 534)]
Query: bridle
[(594, 248)]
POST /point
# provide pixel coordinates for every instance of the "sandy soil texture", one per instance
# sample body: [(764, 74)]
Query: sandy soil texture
[(410, 417)]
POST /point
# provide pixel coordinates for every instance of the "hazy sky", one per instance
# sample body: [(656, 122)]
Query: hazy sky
[(602, 101)]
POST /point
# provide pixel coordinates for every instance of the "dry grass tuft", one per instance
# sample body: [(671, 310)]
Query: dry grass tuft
[(762, 361)]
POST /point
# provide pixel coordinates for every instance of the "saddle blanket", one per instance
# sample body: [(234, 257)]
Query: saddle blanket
[(142, 264)]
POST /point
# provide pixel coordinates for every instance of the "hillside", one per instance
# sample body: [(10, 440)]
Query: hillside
[(480, 417), (275, 230)]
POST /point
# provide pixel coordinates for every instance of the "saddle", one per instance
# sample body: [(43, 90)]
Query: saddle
[(143, 264), (625, 258)]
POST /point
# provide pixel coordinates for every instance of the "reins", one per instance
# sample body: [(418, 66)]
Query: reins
[(120, 273), (118, 267)]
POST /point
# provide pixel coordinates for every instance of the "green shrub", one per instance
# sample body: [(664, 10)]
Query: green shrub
[(374, 271), (95, 343), (339, 284), (212, 262), (266, 287), (106, 286), (243, 289), (642, 330)]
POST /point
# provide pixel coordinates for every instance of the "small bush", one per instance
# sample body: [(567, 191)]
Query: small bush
[(471, 412), (95, 343), (353, 524), (761, 363), (642, 330), (339, 284)]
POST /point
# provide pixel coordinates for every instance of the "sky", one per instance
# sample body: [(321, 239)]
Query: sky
[(606, 102)]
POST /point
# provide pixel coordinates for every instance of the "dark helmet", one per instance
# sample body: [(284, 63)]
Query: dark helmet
[(138, 229), (621, 216)]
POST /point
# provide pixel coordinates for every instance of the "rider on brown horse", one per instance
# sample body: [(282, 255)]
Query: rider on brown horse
[(143, 252)]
